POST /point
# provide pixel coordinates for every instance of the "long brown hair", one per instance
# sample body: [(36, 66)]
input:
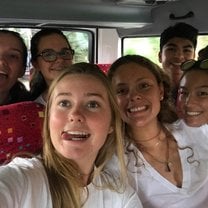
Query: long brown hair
[(167, 112)]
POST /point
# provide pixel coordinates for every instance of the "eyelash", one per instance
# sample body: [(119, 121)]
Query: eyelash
[(95, 104), (140, 86), (64, 103), (90, 104)]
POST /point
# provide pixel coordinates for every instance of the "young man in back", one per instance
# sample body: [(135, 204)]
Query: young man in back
[(177, 44)]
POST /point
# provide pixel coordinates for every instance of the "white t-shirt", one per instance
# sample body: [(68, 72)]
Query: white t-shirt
[(40, 100), (23, 184), (157, 192)]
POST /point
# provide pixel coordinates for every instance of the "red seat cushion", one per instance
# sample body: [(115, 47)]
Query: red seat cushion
[(104, 67), (20, 129)]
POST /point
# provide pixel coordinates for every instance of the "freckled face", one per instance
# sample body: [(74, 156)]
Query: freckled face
[(138, 94), (80, 117)]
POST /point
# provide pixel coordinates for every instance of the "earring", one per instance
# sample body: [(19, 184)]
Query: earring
[(161, 98)]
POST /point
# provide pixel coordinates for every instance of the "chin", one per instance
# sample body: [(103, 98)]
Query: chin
[(194, 123)]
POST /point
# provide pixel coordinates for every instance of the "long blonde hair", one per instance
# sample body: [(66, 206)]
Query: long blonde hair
[(64, 181)]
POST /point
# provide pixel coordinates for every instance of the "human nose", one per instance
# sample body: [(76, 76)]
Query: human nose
[(2, 60), (189, 99), (180, 55), (134, 95), (76, 115), (59, 58)]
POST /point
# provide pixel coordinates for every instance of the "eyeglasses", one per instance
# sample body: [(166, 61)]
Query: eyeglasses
[(190, 64), (50, 55)]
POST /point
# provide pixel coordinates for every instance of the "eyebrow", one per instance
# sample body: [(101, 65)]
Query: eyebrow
[(182, 87), (175, 45), (203, 86), (51, 49), (137, 80), (15, 49), (89, 94)]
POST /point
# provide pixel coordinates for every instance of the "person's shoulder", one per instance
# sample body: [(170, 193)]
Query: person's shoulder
[(181, 124), (188, 134), (126, 197), (24, 163), (22, 178), (178, 125), (40, 100), (22, 170)]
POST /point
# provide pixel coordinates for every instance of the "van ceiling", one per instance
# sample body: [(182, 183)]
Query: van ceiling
[(130, 17), (103, 13)]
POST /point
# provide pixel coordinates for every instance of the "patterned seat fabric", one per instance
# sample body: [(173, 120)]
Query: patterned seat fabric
[(104, 67), (20, 129)]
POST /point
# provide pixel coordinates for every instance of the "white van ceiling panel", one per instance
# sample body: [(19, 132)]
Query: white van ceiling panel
[(189, 11), (130, 17), (86, 12)]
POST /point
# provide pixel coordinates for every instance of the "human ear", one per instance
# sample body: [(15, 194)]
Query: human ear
[(110, 129)]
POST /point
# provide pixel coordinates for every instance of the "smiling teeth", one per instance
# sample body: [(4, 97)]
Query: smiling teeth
[(192, 113), (77, 133), (177, 64), (131, 110), (3, 73)]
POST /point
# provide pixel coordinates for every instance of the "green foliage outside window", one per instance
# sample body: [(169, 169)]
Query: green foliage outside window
[(149, 46)]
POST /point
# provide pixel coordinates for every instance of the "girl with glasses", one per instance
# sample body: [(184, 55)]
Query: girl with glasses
[(51, 52)]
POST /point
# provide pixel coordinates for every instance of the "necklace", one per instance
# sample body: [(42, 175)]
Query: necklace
[(167, 162), (147, 140), (85, 174)]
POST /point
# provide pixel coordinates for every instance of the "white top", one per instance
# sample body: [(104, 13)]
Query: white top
[(157, 192), (23, 184), (40, 100)]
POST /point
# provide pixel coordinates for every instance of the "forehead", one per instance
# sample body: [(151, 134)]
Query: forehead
[(132, 71), (179, 42), (52, 41), (10, 41), (195, 78), (81, 83)]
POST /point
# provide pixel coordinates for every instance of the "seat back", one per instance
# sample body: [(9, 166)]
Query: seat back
[(104, 67), (20, 129)]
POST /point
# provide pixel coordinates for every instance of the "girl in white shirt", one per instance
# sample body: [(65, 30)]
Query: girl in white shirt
[(167, 160), (82, 133)]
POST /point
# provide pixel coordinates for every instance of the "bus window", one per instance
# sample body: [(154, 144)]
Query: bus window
[(149, 46), (80, 40)]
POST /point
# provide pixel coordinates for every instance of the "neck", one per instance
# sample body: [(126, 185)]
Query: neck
[(148, 135), (86, 177), (86, 169), (158, 152), (45, 95), (4, 98)]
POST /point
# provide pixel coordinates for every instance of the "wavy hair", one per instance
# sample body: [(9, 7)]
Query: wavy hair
[(167, 112)]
